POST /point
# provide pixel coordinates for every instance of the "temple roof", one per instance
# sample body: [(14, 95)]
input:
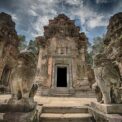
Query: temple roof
[(62, 26)]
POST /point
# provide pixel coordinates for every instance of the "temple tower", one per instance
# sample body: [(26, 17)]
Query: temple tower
[(62, 66)]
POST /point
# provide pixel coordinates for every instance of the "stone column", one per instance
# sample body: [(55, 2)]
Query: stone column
[(37, 77), (83, 60), (50, 63)]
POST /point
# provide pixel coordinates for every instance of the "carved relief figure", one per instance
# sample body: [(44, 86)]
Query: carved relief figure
[(107, 78)]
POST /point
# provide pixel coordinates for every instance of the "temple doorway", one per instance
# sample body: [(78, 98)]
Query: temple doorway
[(61, 76)]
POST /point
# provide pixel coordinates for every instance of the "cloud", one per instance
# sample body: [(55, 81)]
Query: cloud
[(102, 1), (31, 15), (97, 21)]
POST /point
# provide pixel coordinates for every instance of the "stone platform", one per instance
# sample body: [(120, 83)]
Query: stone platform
[(107, 108), (60, 109), (106, 113), (69, 109), (63, 101), (54, 100), (17, 111), (65, 109)]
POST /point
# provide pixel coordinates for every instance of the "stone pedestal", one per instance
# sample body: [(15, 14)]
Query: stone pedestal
[(106, 112), (19, 112), (20, 116), (108, 108)]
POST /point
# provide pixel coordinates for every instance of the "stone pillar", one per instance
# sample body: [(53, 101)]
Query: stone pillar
[(83, 60), (38, 73), (50, 62)]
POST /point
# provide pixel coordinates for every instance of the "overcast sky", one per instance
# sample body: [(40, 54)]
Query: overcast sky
[(31, 15)]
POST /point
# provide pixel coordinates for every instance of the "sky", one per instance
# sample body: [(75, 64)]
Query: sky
[(31, 15)]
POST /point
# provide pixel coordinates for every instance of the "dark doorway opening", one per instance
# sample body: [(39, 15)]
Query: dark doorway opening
[(62, 77)]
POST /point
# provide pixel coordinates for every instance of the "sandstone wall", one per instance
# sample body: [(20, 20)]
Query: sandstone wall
[(8, 49)]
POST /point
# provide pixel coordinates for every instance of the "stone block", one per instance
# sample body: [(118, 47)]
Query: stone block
[(20, 116), (107, 108)]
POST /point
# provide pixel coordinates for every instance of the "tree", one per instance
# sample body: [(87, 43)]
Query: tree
[(89, 58), (98, 45), (23, 42), (89, 54), (33, 46)]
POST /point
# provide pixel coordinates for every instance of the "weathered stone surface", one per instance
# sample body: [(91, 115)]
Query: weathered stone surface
[(107, 78), (21, 106), (8, 50), (99, 112), (23, 88), (91, 76), (18, 107), (98, 92), (107, 108), (108, 75), (20, 116), (63, 46), (113, 42), (65, 113)]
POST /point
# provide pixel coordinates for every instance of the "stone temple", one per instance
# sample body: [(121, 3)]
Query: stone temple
[(51, 81), (62, 65), (8, 50)]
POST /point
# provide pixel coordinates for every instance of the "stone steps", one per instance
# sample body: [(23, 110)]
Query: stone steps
[(61, 113), (65, 109), (61, 92), (69, 117)]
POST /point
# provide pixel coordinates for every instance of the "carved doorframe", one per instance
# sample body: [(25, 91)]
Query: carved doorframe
[(59, 62)]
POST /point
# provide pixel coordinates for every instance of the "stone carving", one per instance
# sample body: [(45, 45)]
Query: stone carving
[(113, 40), (98, 92), (22, 87), (107, 78), (90, 74)]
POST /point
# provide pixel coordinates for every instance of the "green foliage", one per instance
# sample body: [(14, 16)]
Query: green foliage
[(23, 42), (89, 58), (32, 46), (98, 45)]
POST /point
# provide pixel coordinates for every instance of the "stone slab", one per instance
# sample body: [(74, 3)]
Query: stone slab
[(103, 117), (49, 117), (20, 116), (65, 109), (4, 107), (107, 108)]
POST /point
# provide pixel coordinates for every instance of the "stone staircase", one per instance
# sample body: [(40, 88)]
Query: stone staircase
[(61, 92), (65, 114)]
